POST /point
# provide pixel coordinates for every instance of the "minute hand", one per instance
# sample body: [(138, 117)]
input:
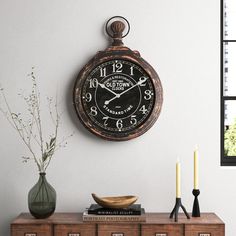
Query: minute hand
[(141, 80)]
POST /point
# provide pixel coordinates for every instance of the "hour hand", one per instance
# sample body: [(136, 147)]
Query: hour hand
[(103, 86), (108, 101)]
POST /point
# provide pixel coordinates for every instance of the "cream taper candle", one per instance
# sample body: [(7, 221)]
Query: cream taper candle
[(178, 181), (196, 168)]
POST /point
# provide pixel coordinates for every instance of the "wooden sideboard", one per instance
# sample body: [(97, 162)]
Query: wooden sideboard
[(157, 224)]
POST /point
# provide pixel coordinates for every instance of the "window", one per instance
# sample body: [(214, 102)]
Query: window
[(228, 82)]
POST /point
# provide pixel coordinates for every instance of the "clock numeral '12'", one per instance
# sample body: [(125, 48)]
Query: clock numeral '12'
[(117, 67)]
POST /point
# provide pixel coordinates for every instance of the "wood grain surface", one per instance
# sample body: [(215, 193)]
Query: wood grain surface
[(71, 224)]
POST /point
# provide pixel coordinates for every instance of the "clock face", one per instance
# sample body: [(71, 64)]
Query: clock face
[(118, 96)]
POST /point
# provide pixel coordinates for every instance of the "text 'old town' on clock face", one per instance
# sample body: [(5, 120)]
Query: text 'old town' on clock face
[(118, 96)]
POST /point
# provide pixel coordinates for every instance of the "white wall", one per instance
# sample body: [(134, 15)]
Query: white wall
[(181, 40)]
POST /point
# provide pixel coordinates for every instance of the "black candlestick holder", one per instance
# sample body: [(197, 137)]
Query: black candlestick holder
[(175, 211), (196, 209)]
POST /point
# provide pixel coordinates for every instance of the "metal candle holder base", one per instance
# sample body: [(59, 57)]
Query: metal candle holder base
[(196, 209), (175, 211)]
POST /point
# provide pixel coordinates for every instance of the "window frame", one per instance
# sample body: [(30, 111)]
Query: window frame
[(225, 160)]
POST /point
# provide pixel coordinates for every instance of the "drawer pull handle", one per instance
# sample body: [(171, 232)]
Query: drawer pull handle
[(30, 234), (161, 234), (74, 234), (204, 234), (117, 234)]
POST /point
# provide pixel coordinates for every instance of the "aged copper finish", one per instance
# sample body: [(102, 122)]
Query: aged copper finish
[(117, 51)]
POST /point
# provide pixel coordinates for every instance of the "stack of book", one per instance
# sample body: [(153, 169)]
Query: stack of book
[(134, 213)]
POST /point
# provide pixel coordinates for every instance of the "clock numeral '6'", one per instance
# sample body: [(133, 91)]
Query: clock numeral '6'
[(93, 111), (119, 124)]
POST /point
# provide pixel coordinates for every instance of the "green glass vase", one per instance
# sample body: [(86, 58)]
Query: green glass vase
[(42, 198)]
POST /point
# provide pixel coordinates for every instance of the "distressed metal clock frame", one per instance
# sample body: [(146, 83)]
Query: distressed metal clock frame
[(117, 52)]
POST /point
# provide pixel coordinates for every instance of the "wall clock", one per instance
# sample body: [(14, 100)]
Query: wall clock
[(117, 94)]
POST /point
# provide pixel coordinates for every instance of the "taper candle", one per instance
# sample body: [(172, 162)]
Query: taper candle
[(178, 181), (196, 168)]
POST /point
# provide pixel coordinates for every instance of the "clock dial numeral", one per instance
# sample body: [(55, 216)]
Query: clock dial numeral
[(105, 120), (93, 83), (88, 97), (142, 80), (131, 70), (93, 111), (143, 109), (119, 124), (117, 67), (148, 94), (133, 120), (103, 72)]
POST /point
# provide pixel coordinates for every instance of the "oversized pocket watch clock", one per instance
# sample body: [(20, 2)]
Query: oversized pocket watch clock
[(118, 95)]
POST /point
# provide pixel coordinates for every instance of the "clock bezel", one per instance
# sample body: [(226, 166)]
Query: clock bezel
[(117, 53)]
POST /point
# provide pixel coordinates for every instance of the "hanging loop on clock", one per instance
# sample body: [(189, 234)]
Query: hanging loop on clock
[(115, 27)]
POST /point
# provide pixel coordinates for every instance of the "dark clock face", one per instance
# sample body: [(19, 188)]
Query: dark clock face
[(118, 96)]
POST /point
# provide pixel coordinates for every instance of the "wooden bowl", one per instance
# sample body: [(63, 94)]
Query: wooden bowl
[(115, 202)]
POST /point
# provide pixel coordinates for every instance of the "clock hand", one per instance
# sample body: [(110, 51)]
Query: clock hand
[(103, 86), (108, 101), (141, 80)]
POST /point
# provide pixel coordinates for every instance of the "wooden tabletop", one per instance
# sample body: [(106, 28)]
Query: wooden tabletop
[(151, 218)]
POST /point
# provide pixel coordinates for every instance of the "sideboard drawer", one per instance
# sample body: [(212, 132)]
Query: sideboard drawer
[(204, 230), (31, 230), (118, 230), (162, 230), (75, 230)]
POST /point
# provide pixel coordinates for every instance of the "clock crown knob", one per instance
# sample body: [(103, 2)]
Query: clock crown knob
[(116, 28)]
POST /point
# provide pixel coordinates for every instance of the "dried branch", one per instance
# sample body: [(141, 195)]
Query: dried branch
[(31, 129)]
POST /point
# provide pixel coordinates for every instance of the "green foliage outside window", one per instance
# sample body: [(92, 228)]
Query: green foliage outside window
[(230, 140)]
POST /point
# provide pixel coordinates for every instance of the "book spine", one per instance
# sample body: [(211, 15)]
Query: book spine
[(114, 213), (114, 218)]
